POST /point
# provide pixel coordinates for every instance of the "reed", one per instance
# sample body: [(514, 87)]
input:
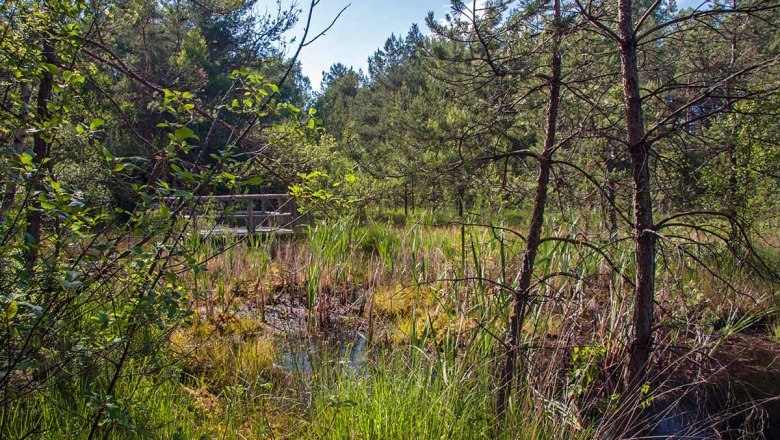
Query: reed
[(430, 301)]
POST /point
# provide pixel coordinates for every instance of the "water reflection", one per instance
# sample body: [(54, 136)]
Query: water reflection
[(310, 354)]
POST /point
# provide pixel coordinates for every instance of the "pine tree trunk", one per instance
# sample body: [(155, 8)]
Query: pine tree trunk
[(641, 344), (522, 293)]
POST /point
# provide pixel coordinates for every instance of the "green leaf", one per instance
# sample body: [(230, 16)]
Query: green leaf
[(96, 123), (75, 78), (227, 176), (51, 68), (70, 284), (107, 154), (11, 309), (73, 274), (184, 133), (184, 194)]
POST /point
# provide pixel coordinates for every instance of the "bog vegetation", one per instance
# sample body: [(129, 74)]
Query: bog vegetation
[(542, 219)]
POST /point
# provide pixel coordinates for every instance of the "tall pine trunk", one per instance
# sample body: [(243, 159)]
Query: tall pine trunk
[(641, 344), (522, 293)]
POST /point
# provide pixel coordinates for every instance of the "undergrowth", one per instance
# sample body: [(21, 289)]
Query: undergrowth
[(431, 303)]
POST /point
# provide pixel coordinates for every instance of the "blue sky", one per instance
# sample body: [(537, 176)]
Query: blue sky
[(360, 31), (363, 28)]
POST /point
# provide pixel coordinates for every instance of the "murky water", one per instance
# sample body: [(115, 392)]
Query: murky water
[(308, 355), (748, 408)]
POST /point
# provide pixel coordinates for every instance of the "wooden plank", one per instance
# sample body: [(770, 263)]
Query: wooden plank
[(259, 218), (259, 213), (230, 197), (242, 232)]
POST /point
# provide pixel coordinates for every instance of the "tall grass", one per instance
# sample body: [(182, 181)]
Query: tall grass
[(417, 395), (433, 301), (141, 407)]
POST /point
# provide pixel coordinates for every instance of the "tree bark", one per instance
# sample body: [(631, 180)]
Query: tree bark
[(406, 200), (41, 147), (459, 202), (412, 197), (522, 293), (641, 343)]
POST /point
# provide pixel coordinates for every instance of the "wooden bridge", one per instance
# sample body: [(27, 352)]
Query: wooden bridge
[(239, 215)]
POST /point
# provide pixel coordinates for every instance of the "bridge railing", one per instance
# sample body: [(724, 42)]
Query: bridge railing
[(260, 213)]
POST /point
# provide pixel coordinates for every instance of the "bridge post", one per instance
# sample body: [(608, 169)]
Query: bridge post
[(293, 213), (250, 217), (265, 218)]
